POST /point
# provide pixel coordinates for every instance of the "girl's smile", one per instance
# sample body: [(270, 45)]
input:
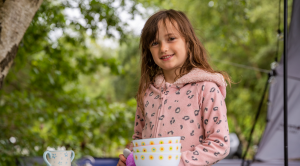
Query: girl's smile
[(167, 57)]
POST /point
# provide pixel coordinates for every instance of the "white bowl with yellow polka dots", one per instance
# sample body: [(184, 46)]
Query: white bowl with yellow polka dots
[(157, 159), (156, 141), (162, 148)]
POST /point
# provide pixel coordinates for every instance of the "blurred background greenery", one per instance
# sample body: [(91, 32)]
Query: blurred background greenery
[(74, 80)]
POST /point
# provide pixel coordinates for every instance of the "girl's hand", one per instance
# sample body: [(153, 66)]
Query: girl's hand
[(122, 161)]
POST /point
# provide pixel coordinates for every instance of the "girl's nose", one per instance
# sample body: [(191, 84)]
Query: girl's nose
[(164, 47)]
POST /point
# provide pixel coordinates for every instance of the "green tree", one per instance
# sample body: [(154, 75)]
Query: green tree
[(43, 103), (126, 84)]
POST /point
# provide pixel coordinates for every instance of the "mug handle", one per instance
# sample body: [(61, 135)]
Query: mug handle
[(72, 155), (45, 158)]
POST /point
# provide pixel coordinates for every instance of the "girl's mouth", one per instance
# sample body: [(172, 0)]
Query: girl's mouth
[(167, 57)]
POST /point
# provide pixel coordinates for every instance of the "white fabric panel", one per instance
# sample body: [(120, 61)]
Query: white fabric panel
[(271, 144)]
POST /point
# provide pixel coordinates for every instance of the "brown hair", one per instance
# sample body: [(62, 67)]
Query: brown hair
[(197, 55)]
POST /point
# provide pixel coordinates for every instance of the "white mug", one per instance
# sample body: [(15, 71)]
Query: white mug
[(59, 157)]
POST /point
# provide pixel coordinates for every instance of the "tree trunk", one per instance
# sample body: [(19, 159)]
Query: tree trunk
[(15, 17)]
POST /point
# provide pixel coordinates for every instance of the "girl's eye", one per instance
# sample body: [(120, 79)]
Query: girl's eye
[(154, 43), (172, 38)]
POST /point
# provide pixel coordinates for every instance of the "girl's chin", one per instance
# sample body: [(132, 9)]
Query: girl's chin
[(168, 69)]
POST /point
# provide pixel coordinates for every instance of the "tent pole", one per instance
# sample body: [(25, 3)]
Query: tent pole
[(257, 116), (285, 110)]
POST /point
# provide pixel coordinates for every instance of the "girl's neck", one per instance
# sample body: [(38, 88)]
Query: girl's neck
[(170, 75)]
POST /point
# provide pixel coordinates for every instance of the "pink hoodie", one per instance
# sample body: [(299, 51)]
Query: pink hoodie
[(194, 108)]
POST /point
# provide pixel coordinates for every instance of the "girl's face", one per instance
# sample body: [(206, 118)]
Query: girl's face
[(169, 50)]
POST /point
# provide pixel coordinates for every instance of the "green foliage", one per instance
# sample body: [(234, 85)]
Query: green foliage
[(126, 84), (44, 103)]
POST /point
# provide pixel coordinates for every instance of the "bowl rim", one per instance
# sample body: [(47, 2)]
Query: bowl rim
[(158, 138), (179, 144)]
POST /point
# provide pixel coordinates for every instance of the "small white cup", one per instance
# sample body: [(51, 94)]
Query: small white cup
[(59, 157)]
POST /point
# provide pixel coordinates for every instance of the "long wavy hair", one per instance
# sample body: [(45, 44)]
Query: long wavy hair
[(197, 55)]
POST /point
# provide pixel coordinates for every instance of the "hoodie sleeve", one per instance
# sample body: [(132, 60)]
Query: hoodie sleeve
[(214, 144), (139, 124)]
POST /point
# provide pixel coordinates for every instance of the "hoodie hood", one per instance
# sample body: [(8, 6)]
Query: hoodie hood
[(195, 75)]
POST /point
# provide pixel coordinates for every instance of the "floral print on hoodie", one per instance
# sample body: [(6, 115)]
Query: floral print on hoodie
[(194, 108)]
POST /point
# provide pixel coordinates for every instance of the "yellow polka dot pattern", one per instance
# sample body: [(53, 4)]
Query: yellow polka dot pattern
[(151, 157), (161, 157), (161, 149), (153, 149)]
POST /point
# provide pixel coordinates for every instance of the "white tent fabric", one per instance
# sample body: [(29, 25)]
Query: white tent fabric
[(271, 146)]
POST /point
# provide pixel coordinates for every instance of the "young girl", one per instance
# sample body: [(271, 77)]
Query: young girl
[(179, 92)]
